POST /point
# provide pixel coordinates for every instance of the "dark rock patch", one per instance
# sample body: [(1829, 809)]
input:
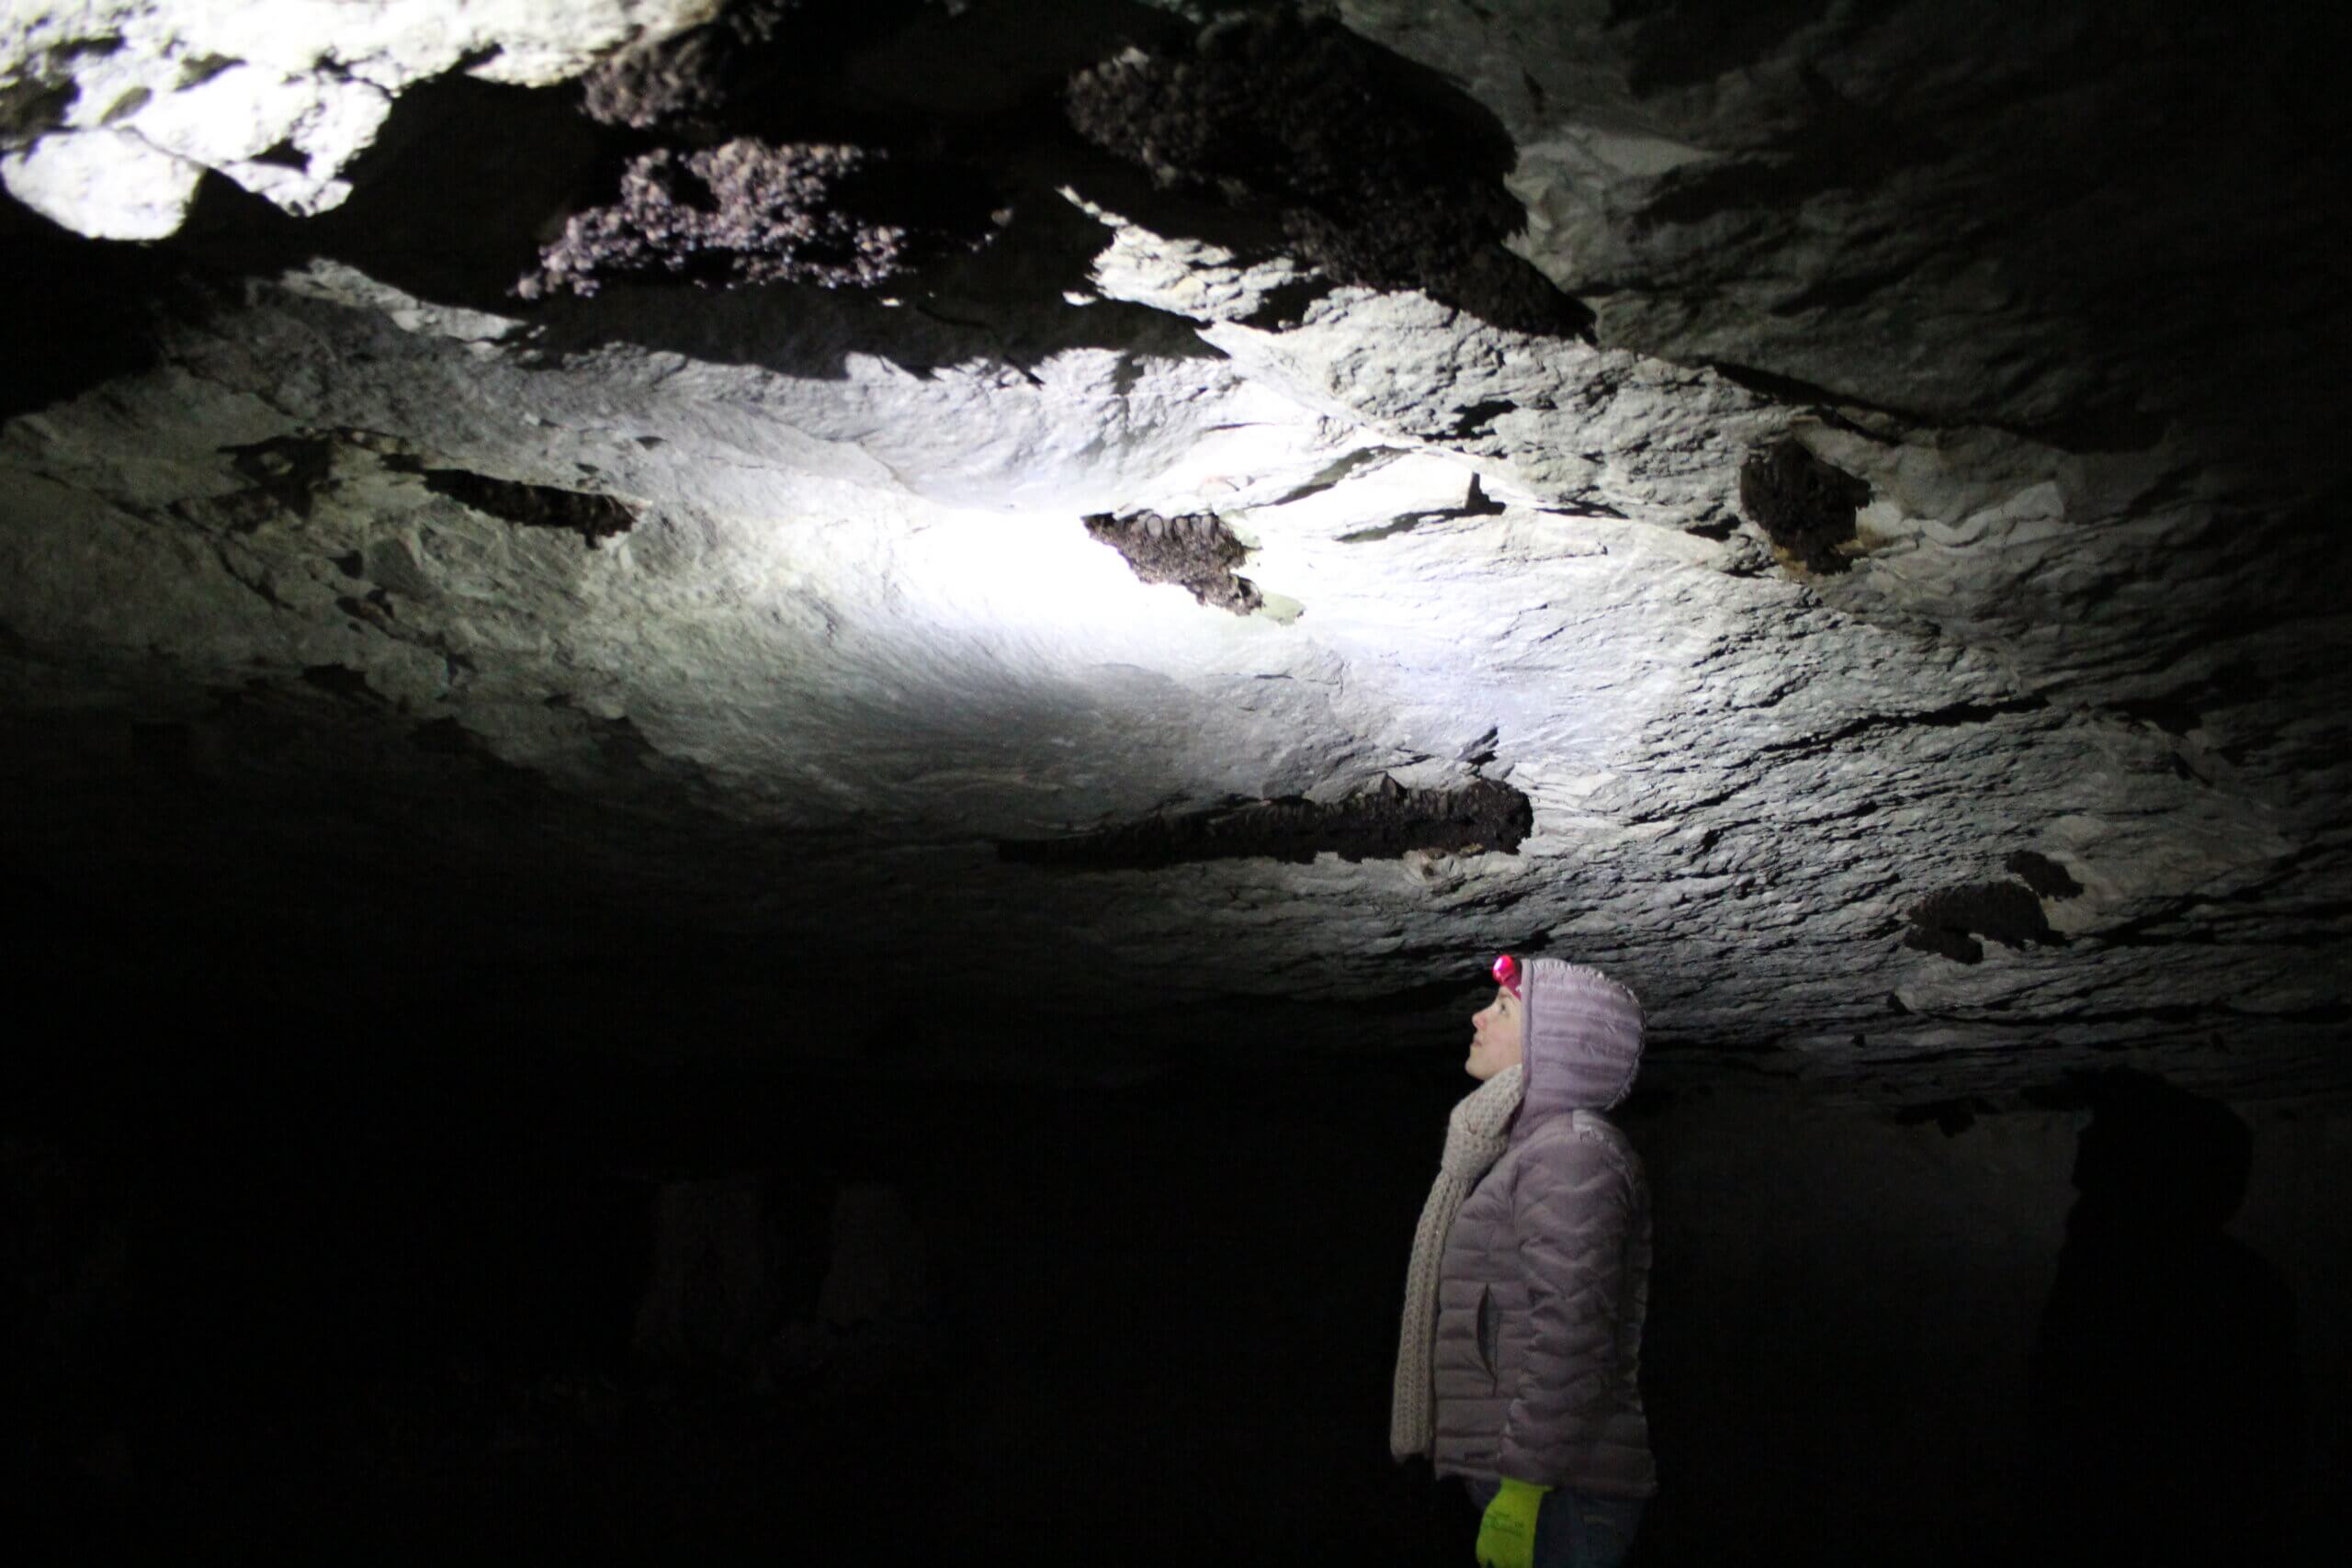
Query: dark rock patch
[(627, 747), (374, 609), (1379, 176), (593, 517), (751, 212), (1382, 823), (165, 746), (1704, 39), (1956, 946), (1479, 418), (1805, 506), (1284, 305), (32, 105), (690, 78), (2179, 711), (289, 470), (1195, 552), (2044, 875), (2174, 716), (1948, 922), (1951, 1117), (450, 202), (1952, 716), (114, 295), (339, 679), (445, 735)]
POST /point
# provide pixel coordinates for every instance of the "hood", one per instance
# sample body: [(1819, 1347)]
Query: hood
[(1582, 1042)]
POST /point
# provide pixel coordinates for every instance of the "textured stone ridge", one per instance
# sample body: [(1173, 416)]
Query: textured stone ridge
[(2049, 775), (1385, 822), (593, 517)]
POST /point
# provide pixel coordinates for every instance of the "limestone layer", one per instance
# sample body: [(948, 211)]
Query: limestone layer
[(1897, 568)]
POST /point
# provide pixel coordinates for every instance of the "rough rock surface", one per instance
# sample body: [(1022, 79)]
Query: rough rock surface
[(1387, 820), (1197, 552), (1373, 183), (2088, 653), (1805, 506), (742, 212), (114, 108), (687, 77)]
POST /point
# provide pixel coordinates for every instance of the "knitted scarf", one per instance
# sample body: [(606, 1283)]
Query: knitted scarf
[(1476, 1136)]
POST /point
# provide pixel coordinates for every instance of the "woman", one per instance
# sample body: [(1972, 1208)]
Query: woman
[(1517, 1362)]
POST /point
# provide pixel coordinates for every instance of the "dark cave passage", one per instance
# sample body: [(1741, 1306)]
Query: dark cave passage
[(385, 1286)]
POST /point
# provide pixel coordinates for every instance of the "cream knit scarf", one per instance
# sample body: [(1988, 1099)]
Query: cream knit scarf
[(1476, 1136)]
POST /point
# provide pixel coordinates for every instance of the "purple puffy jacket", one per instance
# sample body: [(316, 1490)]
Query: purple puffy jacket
[(1545, 1273)]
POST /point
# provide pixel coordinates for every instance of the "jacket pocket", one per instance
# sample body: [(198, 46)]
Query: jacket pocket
[(1487, 1327)]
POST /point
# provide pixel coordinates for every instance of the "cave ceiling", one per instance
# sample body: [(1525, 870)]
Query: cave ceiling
[(1092, 523)]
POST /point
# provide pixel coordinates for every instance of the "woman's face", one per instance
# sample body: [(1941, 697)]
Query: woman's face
[(1495, 1035)]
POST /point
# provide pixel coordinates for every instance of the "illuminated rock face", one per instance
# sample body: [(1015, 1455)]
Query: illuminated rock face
[(114, 108), (763, 620)]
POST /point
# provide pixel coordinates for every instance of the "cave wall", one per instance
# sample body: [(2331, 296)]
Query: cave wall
[(1817, 463)]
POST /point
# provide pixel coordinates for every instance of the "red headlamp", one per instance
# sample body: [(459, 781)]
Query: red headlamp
[(1507, 973)]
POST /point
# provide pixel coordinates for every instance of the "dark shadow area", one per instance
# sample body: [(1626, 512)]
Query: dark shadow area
[(1000, 305), (450, 203), (1806, 507), (1688, 42), (2091, 162), (378, 1257), (1381, 172), (467, 180), (1949, 920), (80, 311), (300, 1265), (2168, 1404), (593, 517), (1383, 822)]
